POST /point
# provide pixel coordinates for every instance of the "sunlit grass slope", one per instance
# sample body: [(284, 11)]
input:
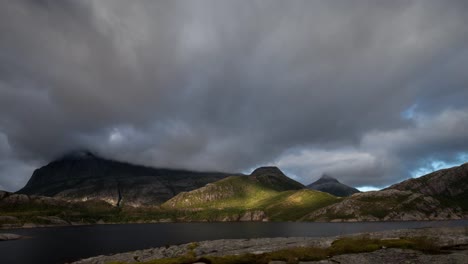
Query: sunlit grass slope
[(239, 194), (232, 192), (293, 205)]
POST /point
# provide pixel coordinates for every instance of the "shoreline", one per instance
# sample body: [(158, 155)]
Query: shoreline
[(444, 237), (32, 225)]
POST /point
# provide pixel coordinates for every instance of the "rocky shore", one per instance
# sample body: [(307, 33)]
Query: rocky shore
[(455, 240), (5, 237)]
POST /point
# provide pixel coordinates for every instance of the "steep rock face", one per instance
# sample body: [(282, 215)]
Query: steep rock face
[(83, 176), (332, 186)]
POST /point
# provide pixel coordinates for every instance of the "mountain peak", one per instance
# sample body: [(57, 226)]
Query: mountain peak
[(327, 178), (328, 184), (272, 170), (274, 178), (78, 155)]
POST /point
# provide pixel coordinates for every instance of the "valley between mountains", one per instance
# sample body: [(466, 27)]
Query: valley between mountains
[(82, 188)]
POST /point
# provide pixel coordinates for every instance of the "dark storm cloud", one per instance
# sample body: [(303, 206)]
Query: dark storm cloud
[(313, 86)]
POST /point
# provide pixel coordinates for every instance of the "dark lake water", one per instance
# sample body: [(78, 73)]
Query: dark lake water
[(65, 244)]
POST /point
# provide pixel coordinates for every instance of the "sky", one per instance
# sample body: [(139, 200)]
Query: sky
[(369, 92)]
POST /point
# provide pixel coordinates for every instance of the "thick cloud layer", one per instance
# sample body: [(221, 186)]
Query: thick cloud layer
[(367, 91)]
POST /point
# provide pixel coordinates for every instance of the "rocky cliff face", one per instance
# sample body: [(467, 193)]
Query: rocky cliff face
[(84, 176), (332, 186)]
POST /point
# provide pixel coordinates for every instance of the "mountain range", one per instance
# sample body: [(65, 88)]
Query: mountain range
[(83, 188)]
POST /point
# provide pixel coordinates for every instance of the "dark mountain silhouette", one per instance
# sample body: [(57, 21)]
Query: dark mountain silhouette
[(331, 185), (83, 175), (275, 179)]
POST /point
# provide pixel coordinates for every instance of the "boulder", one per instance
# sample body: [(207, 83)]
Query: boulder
[(253, 216)]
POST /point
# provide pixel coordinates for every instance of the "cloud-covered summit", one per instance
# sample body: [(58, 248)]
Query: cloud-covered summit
[(366, 91)]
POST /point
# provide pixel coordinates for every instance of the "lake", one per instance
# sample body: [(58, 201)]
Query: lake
[(66, 244)]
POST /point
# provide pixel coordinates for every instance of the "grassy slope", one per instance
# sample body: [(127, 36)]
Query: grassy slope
[(232, 192), (293, 205), (238, 194)]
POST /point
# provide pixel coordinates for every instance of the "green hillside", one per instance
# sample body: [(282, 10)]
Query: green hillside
[(273, 194), (233, 192), (293, 205)]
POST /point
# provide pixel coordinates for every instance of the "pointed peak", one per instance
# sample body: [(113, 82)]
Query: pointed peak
[(330, 185), (272, 170), (275, 179), (328, 178)]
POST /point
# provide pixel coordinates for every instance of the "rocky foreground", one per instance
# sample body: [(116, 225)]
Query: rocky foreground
[(453, 240)]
